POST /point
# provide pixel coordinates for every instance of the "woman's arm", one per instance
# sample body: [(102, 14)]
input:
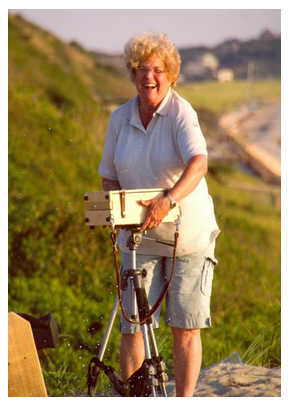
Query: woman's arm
[(196, 169)]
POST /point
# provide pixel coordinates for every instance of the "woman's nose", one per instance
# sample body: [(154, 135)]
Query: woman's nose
[(149, 74)]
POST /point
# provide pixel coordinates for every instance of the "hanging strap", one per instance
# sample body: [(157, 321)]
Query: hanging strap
[(94, 367), (162, 294)]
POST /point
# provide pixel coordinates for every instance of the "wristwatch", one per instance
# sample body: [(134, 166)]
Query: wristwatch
[(172, 201)]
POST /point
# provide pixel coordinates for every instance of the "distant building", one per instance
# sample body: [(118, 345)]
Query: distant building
[(203, 66), (225, 75), (210, 61)]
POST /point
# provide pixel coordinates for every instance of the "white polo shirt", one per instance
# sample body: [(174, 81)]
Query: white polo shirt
[(155, 157)]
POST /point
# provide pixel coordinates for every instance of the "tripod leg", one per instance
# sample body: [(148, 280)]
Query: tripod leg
[(94, 368), (108, 329), (144, 329), (143, 308), (156, 354), (147, 329)]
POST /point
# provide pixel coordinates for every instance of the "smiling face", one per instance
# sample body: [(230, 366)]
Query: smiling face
[(152, 82)]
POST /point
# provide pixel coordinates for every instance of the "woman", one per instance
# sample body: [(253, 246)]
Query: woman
[(153, 141)]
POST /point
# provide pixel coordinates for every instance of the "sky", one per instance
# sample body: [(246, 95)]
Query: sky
[(107, 30)]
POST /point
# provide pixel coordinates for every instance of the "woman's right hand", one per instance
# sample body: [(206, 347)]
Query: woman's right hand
[(158, 210)]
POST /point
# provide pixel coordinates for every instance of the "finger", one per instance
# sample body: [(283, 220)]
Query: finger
[(146, 203), (144, 225), (147, 224)]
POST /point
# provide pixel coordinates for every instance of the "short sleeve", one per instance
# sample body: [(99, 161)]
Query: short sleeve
[(190, 139), (107, 165)]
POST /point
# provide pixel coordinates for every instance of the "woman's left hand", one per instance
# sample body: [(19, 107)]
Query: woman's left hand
[(158, 210)]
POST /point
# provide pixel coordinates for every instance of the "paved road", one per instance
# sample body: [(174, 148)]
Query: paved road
[(258, 132), (263, 127)]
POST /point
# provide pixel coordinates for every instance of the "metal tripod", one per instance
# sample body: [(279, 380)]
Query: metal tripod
[(155, 375)]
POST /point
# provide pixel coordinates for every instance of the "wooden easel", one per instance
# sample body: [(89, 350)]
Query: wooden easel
[(25, 378)]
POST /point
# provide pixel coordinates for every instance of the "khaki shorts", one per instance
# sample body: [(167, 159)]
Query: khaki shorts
[(188, 297)]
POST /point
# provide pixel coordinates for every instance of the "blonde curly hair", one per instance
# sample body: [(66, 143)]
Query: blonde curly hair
[(141, 47)]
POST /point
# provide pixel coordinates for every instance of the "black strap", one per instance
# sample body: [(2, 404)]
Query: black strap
[(94, 368), (138, 385), (162, 294)]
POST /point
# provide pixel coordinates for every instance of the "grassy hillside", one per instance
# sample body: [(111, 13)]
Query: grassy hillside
[(58, 100), (57, 124)]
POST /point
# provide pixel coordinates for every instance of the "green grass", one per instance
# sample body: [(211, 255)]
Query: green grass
[(57, 123), (221, 97)]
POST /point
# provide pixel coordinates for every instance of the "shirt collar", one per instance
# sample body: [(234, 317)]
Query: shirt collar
[(133, 114), (164, 106)]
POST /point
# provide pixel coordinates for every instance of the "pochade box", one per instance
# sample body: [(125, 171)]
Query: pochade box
[(122, 207)]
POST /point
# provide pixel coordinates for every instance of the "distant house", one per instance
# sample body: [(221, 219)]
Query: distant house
[(210, 61), (202, 66), (225, 75)]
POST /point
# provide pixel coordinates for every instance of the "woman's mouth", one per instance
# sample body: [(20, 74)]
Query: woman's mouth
[(149, 85)]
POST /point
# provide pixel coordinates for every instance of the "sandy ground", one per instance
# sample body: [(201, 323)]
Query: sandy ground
[(236, 380), (230, 380)]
